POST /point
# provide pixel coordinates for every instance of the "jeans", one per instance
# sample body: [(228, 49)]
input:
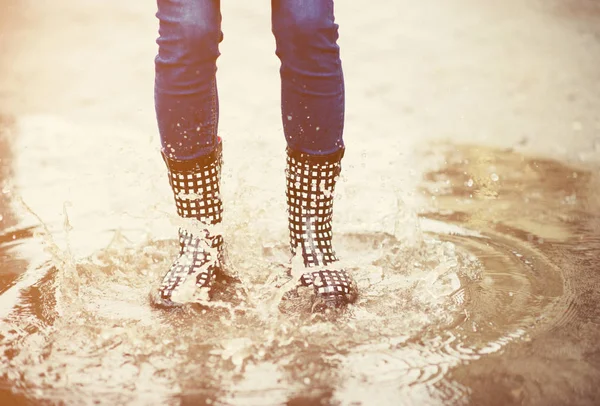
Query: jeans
[(312, 82)]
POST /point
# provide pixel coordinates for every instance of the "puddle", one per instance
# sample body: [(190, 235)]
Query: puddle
[(541, 220), (483, 273)]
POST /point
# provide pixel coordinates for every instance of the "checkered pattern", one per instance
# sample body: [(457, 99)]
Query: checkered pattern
[(193, 261), (310, 208), (197, 193), (329, 283), (195, 186), (310, 191)]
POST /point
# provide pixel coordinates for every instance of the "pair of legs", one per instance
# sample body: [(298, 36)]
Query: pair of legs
[(312, 83), (312, 106)]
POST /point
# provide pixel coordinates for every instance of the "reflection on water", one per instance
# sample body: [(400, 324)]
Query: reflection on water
[(543, 215), (481, 274)]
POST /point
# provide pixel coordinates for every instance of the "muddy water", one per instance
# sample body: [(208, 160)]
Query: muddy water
[(477, 265), (543, 216), (493, 263)]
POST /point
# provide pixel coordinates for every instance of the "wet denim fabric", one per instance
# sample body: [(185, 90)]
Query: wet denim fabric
[(312, 82)]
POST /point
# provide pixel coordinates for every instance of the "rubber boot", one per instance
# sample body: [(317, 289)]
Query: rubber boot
[(196, 188), (310, 188)]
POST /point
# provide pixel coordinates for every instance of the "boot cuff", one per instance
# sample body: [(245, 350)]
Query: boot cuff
[(192, 165), (316, 159)]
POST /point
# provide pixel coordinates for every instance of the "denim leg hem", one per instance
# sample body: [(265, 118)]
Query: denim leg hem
[(319, 152), (302, 154)]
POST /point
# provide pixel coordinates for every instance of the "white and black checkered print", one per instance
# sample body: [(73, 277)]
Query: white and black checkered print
[(310, 188), (329, 282), (310, 192), (195, 186), (197, 193), (191, 262)]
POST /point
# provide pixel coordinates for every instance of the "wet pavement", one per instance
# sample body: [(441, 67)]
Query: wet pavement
[(468, 211)]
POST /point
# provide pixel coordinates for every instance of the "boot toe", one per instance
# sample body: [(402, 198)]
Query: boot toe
[(335, 288)]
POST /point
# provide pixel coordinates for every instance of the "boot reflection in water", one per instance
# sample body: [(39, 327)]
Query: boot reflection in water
[(312, 106)]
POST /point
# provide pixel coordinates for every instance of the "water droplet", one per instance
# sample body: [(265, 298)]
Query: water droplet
[(494, 177), (470, 183), (318, 128), (289, 118)]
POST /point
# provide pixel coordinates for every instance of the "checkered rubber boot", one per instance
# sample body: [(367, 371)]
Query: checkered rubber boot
[(195, 185), (311, 181)]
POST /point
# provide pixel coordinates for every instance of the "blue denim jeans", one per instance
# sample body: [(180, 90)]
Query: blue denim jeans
[(312, 82)]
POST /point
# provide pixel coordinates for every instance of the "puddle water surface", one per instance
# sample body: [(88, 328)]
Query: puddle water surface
[(480, 274)]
